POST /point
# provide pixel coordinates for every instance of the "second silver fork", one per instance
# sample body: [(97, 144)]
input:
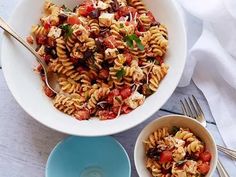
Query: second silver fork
[(192, 109)]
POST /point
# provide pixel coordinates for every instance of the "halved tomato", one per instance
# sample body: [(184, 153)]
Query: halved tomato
[(205, 156), (73, 20), (166, 156), (126, 92), (204, 168)]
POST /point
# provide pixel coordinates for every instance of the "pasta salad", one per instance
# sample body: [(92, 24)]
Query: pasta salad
[(108, 54), (176, 153)]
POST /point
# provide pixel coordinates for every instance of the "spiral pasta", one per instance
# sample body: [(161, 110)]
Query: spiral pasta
[(138, 4), (158, 42), (101, 50), (96, 96), (39, 30), (185, 135), (94, 26), (64, 104), (171, 152), (68, 85), (157, 74), (153, 138), (61, 48)]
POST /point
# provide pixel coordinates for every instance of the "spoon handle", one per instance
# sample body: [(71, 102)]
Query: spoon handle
[(8, 29)]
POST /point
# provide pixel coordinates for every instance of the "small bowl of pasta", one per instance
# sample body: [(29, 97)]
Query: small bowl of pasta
[(117, 61), (175, 145)]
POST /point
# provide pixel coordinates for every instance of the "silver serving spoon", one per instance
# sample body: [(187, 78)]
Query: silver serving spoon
[(50, 77)]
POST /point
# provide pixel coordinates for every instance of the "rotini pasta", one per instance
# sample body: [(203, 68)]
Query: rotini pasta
[(109, 57), (176, 153)]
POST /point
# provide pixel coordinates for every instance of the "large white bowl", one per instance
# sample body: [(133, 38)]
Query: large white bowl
[(25, 84), (170, 121)]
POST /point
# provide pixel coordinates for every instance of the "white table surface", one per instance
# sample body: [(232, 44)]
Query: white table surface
[(25, 144)]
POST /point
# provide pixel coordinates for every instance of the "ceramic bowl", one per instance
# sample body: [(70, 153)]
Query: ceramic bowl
[(26, 86), (88, 157), (170, 121)]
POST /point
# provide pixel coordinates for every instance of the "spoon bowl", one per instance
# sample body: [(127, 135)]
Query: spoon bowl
[(50, 77)]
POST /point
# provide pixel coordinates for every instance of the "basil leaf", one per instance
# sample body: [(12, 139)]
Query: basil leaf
[(133, 37), (129, 41), (174, 130), (67, 29), (140, 45), (120, 73), (66, 8)]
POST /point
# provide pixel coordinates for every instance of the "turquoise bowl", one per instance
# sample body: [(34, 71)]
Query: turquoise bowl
[(88, 157)]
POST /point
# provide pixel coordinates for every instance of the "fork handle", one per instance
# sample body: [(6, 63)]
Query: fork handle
[(10, 31), (221, 169), (229, 152)]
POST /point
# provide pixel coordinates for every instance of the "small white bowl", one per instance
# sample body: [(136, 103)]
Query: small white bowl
[(170, 121)]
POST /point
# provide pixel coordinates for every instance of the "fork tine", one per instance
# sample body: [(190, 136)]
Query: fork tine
[(197, 105), (193, 107), (183, 108), (188, 108)]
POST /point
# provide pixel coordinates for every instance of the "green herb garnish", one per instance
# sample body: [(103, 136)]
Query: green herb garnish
[(129, 41), (120, 73), (121, 25), (67, 29), (133, 37), (66, 9), (174, 130), (139, 44)]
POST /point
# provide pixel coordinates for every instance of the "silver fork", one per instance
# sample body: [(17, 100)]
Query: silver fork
[(192, 109)]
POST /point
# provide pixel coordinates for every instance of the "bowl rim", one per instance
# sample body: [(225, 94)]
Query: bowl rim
[(110, 131), (170, 116), (110, 138)]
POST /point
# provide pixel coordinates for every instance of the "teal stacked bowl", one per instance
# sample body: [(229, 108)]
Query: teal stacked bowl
[(88, 157)]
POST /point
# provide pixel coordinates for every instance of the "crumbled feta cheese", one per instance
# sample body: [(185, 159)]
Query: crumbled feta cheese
[(190, 167), (81, 32), (138, 74), (111, 53), (41, 51), (179, 142), (67, 13), (101, 5), (135, 100), (105, 19), (122, 3), (54, 32), (178, 172), (179, 154)]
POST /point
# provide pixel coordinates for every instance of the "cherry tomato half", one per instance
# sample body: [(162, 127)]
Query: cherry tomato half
[(166, 156), (204, 168), (205, 156), (73, 20), (126, 92)]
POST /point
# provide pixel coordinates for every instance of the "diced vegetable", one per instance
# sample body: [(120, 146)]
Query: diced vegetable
[(204, 168), (73, 20), (205, 156), (166, 156), (126, 92)]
